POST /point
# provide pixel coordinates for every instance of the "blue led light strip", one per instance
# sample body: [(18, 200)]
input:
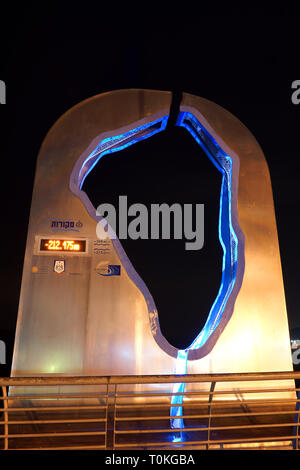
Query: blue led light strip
[(119, 142), (229, 243), (227, 236)]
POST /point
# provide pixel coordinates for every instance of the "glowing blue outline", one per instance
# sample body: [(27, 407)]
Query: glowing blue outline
[(102, 149), (223, 163)]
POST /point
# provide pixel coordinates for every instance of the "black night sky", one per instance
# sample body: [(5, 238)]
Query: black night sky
[(53, 59)]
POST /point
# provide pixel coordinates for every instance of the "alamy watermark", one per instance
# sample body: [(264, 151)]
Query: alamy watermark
[(296, 357), (296, 94), (166, 221), (2, 352), (2, 92)]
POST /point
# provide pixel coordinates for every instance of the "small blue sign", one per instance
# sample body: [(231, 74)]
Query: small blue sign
[(112, 270)]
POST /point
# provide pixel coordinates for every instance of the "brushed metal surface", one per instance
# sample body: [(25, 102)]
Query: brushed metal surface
[(87, 324)]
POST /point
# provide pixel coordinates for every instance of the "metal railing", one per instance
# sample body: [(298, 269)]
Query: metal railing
[(218, 411)]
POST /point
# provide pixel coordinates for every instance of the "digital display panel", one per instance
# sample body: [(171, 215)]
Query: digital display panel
[(74, 246)]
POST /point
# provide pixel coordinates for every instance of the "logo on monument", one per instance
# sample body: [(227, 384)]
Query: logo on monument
[(104, 269), (66, 225), (59, 266)]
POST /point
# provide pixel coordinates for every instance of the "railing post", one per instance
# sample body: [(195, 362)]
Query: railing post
[(5, 414), (110, 416), (211, 394), (298, 421), (295, 441)]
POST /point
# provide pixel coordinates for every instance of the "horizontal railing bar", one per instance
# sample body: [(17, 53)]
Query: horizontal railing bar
[(260, 413), (217, 447), (213, 404), (154, 405), (50, 396), (138, 379), (146, 394), (208, 393), (54, 434), (204, 428), (185, 443), (252, 439), (157, 405), (153, 418), (157, 444), (56, 421), (55, 408), (53, 381), (224, 415), (252, 426), (100, 447), (256, 402), (157, 431), (271, 446), (146, 418), (149, 418), (158, 394)]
